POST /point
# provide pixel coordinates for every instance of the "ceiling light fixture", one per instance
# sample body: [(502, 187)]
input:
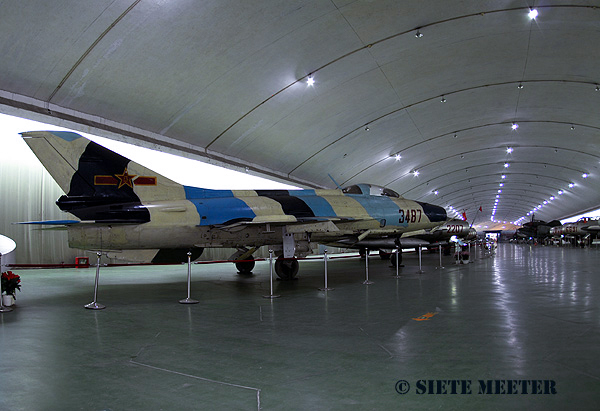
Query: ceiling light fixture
[(560, 192), (310, 80), (533, 13), (584, 175), (597, 87), (514, 126), (436, 192), (398, 157), (552, 198), (506, 165), (571, 185), (501, 184), (416, 173), (509, 150), (418, 34), (503, 176), (520, 86), (443, 100), (367, 128)]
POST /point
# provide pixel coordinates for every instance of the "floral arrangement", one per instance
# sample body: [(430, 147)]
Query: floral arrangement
[(10, 283)]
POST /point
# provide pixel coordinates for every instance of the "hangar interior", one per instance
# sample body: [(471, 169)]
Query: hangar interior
[(467, 105)]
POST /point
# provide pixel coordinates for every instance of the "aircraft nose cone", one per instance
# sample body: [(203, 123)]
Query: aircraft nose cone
[(434, 213)]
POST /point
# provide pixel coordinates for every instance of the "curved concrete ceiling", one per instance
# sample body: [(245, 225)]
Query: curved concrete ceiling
[(399, 86)]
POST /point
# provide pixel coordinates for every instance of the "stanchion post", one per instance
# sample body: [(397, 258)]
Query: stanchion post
[(398, 250), (326, 288), (441, 266), (189, 300), (271, 270), (94, 305), (420, 267), (367, 282)]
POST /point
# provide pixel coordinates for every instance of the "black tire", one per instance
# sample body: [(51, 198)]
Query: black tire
[(286, 268), (245, 267), (393, 259), (384, 256)]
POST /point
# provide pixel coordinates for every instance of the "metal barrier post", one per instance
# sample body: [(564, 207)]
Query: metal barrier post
[(326, 288), (271, 270), (189, 300), (367, 282), (420, 270), (441, 266), (94, 305), (398, 251)]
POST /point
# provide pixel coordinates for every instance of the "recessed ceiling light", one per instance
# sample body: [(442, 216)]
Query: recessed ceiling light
[(533, 13)]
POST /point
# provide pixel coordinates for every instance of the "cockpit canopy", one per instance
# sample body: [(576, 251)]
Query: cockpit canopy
[(370, 189)]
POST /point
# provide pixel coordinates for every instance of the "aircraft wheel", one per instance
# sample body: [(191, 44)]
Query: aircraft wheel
[(393, 259), (286, 268), (245, 267), (383, 255)]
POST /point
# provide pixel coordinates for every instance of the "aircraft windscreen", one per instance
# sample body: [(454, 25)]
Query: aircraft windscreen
[(371, 190)]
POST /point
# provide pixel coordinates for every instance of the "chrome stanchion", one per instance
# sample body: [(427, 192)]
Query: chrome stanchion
[(271, 270), (189, 300), (420, 267), (397, 262), (441, 266), (326, 288), (94, 305), (367, 282), (3, 309), (469, 250)]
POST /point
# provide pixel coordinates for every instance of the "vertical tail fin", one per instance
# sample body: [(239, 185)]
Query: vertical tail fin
[(99, 184)]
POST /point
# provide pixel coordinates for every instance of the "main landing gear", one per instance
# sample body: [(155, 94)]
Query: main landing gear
[(286, 268), (244, 261)]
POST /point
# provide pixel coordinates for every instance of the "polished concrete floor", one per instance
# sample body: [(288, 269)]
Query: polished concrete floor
[(527, 313)]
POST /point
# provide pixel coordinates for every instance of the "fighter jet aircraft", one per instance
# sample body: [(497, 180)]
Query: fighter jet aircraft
[(584, 227), (122, 205), (536, 229)]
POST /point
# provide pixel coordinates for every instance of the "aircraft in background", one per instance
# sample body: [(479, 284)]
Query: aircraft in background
[(536, 229), (581, 228), (429, 238), (122, 205)]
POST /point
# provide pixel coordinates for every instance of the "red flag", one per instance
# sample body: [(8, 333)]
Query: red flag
[(480, 209), (464, 215)]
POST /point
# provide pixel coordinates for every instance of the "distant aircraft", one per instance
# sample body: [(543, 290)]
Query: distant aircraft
[(583, 227), (536, 229), (440, 235), (122, 205)]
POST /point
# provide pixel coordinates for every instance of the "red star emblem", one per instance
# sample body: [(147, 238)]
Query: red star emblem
[(125, 179)]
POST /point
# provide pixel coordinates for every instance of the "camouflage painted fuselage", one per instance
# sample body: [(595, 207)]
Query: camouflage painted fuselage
[(122, 205)]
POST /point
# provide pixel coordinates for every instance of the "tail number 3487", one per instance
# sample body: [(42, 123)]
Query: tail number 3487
[(410, 216)]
